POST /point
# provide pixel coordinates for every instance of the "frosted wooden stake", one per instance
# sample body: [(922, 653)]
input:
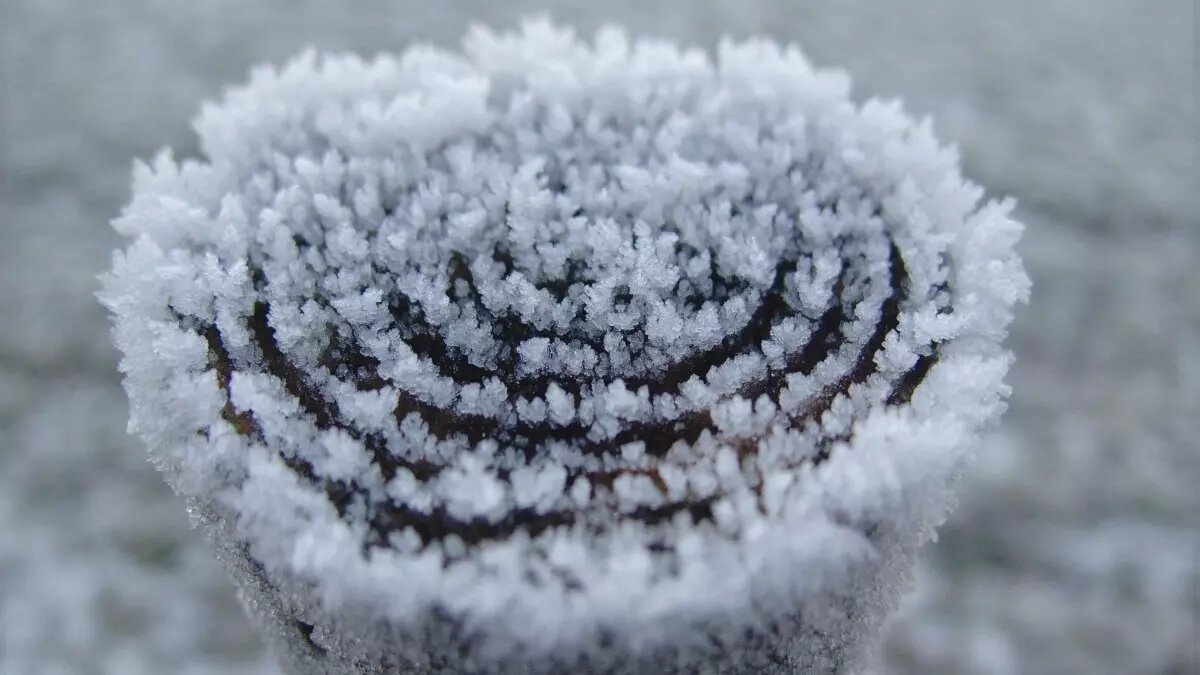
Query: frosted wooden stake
[(553, 356)]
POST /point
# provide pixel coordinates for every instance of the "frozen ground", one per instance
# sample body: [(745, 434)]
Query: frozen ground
[(1075, 549)]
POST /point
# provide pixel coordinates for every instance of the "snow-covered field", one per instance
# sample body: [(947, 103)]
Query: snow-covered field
[(1075, 548)]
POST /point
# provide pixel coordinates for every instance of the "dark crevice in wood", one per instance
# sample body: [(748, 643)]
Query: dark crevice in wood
[(345, 357), (306, 631)]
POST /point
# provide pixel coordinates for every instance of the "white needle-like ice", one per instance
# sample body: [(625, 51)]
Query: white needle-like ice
[(554, 356)]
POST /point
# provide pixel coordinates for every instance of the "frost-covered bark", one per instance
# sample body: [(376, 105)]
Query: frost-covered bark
[(552, 356)]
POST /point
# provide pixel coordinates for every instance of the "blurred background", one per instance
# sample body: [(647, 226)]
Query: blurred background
[(1076, 544)]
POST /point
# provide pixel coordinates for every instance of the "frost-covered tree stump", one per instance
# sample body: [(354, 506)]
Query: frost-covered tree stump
[(554, 357)]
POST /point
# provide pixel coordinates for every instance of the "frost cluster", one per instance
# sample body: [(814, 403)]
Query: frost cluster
[(553, 355)]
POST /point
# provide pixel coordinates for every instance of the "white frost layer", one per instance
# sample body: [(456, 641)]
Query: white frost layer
[(644, 199)]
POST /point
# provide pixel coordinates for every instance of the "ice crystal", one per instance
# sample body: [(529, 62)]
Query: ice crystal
[(551, 356)]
